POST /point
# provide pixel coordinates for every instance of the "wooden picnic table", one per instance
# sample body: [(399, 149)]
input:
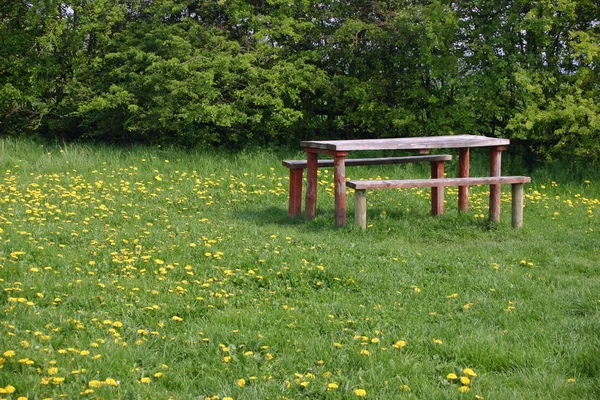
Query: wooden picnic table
[(339, 149)]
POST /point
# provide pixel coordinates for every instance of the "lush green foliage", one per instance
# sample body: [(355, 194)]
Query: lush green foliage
[(234, 72), (154, 274)]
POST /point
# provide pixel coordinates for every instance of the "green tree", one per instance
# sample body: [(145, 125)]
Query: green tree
[(232, 72), (531, 68)]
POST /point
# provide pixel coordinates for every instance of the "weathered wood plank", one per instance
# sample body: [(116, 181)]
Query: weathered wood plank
[(411, 183), (419, 143), (354, 162)]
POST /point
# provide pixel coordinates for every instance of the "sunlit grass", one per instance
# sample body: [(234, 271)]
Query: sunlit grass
[(154, 273)]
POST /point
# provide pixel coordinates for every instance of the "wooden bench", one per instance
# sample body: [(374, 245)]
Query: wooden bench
[(297, 168), (361, 187)]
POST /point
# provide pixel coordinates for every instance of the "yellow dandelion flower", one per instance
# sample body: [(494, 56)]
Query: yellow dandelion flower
[(8, 353), (470, 372), (437, 341), (571, 380), (360, 392), (332, 386), (365, 352), (95, 383), (463, 389), (241, 382), (399, 344), (451, 376), (227, 398), (145, 380), (465, 380), (111, 382), (176, 318)]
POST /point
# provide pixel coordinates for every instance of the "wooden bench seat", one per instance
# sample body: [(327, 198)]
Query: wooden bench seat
[(360, 196), (297, 168)]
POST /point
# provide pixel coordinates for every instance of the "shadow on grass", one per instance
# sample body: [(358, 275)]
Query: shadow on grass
[(416, 225), (419, 224), (324, 221)]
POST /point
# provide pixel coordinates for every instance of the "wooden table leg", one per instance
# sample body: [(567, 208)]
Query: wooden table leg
[(310, 206), (495, 190), (463, 172), (339, 177), (437, 193)]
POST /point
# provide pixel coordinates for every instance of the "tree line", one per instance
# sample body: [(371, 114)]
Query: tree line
[(238, 72)]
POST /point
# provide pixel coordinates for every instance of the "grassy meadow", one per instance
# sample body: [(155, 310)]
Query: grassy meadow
[(158, 273)]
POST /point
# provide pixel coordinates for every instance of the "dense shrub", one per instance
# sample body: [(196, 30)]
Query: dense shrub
[(233, 72)]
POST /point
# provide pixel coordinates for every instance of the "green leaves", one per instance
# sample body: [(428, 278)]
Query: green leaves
[(237, 72)]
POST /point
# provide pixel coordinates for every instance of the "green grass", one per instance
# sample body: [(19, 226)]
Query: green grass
[(157, 273)]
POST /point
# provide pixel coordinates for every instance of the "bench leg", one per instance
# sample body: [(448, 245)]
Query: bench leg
[(360, 208), (310, 202), (437, 193), (517, 205), (464, 164), (295, 207)]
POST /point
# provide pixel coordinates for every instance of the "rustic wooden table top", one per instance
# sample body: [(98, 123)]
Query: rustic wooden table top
[(407, 143)]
